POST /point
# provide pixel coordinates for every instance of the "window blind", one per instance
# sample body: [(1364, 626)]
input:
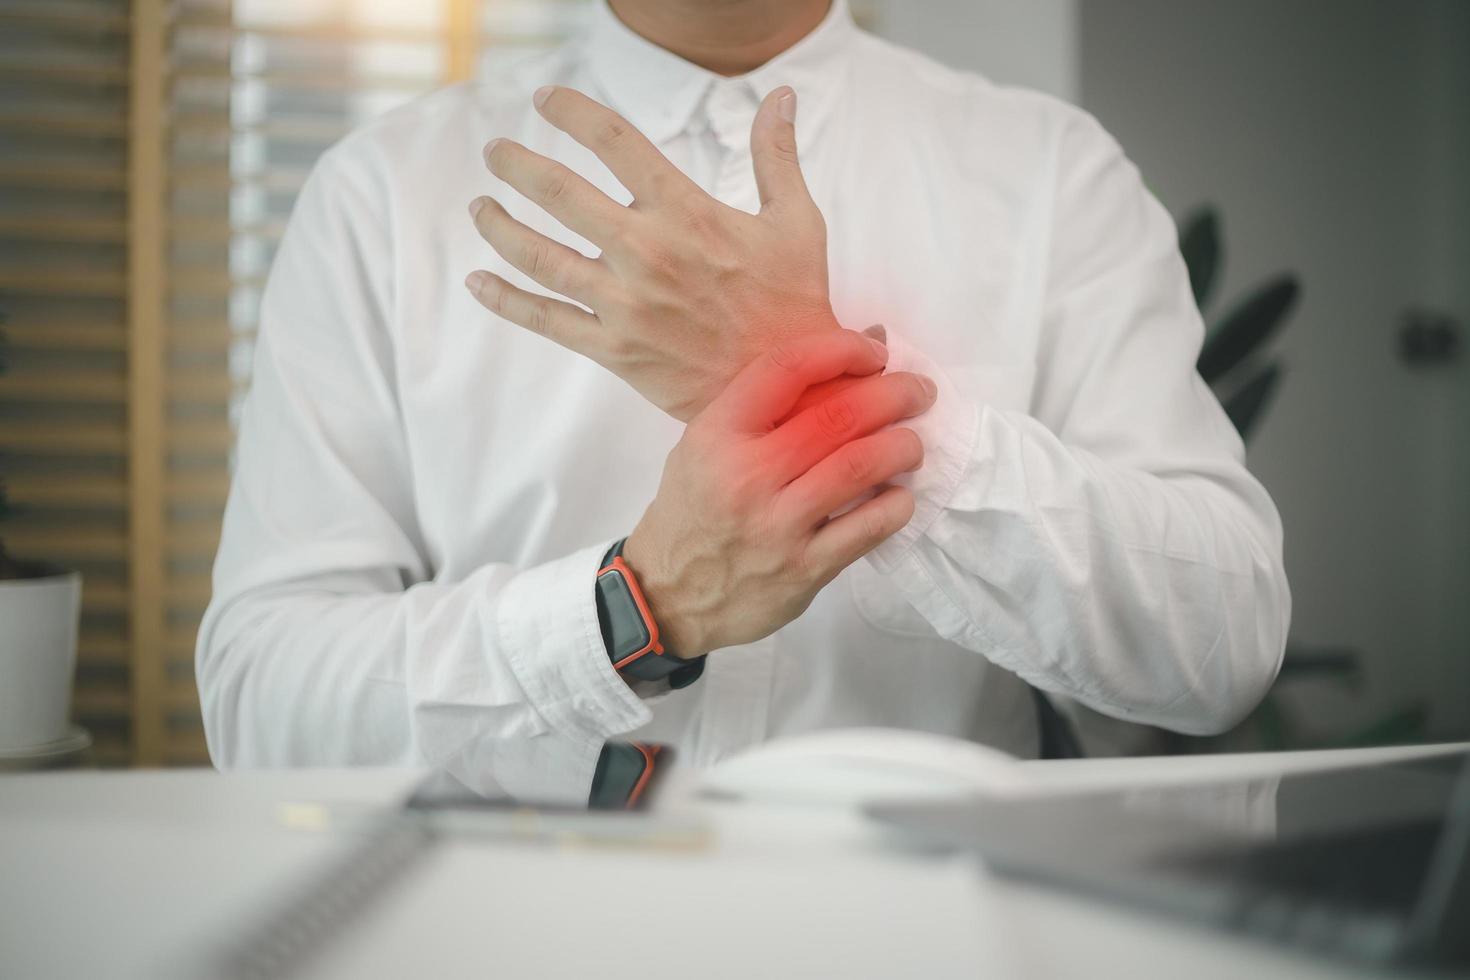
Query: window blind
[(64, 89), (150, 153)]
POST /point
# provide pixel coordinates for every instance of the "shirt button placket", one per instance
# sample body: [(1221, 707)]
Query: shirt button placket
[(732, 106)]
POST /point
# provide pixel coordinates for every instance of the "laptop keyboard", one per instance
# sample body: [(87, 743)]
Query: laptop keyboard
[(1348, 891)]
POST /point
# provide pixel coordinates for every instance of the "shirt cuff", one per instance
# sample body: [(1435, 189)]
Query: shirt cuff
[(547, 618), (948, 431)]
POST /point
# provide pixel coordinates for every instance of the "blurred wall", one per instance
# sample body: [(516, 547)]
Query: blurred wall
[(1333, 135), (1016, 42)]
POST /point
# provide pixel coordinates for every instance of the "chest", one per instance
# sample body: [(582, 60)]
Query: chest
[(524, 451)]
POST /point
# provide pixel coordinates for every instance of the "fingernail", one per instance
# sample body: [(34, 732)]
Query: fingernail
[(542, 94), (880, 349), (930, 388), (877, 331), (475, 281), (786, 106), (490, 146), (478, 205)]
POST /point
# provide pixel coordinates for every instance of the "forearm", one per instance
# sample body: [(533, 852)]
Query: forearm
[(350, 668), (1157, 598)]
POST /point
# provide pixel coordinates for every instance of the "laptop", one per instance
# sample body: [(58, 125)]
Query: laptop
[(1370, 863)]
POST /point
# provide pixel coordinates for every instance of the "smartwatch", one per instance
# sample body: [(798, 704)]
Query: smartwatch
[(628, 629)]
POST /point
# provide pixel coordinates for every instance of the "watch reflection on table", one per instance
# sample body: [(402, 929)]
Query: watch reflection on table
[(544, 774), (542, 791)]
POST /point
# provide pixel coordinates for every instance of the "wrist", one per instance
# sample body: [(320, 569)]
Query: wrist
[(661, 591)]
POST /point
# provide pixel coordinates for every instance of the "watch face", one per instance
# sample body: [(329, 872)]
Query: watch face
[(629, 632)]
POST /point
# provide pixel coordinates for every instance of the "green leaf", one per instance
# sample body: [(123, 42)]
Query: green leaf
[(1407, 725), (1244, 406), (1246, 327), (1339, 665), (1272, 723), (1199, 243)]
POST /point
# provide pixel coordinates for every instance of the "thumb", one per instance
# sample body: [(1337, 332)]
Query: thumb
[(778, 176)]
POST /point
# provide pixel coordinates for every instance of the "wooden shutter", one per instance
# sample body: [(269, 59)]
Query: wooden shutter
[(150, 152), (64, 92), (254, 91)]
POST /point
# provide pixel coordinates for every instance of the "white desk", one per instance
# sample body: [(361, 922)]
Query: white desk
[(113, 874)]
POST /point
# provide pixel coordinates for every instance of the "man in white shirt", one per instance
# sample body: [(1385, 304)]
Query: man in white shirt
[(426, 491)]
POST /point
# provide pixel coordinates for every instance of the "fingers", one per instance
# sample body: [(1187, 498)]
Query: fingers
[(849, 473), (820, 393), (563, 194), (778, 176), (817, 394), (556, 266), (568, 325), (764, 391), (633, 160), (843, 540), (850, 414)]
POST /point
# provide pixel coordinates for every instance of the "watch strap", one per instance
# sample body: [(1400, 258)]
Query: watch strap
[(619, 605)]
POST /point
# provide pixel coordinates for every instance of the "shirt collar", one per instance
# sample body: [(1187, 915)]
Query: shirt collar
[(659, 92)]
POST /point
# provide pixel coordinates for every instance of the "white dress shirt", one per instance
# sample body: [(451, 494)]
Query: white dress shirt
[(424, 491)]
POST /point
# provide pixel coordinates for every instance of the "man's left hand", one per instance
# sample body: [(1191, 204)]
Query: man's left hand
[(686, 291)]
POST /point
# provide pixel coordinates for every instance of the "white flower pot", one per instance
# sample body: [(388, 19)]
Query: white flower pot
[(38, 652)]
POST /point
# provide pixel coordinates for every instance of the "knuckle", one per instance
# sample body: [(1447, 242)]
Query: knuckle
[(812, 568), (811, 235), (860, 462), (662, 262), (536, 259), (611, 133), (667, 184), (651, 255), (875, 527), (555, 184), (618, 347), (783, 147), (697, 212), (785, 356), (621, 240), (836, 417), (619, 303), (539, 318), (817, 223)]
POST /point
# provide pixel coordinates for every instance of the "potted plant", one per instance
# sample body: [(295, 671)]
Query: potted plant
[(1239, 366), (39, 609)]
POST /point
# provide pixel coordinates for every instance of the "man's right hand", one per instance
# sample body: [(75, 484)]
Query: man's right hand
[(738, 540)]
